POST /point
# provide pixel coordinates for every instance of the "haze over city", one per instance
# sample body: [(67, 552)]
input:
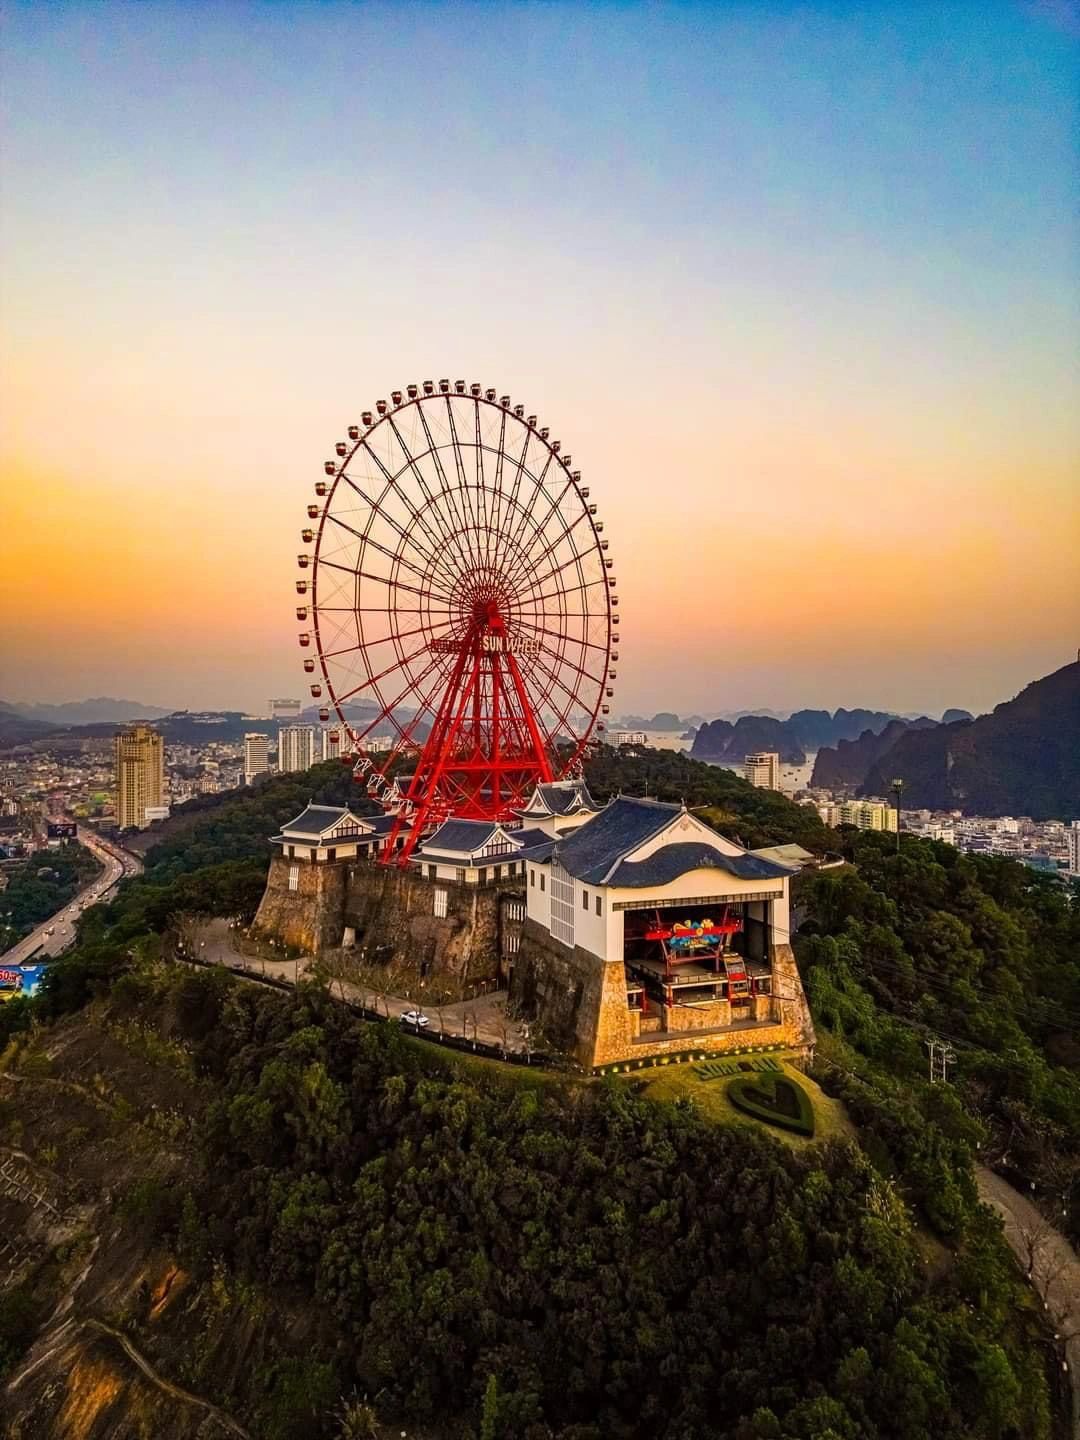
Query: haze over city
[(797, 288)]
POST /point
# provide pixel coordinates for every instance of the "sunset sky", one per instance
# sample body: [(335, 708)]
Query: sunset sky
[(797, 285)]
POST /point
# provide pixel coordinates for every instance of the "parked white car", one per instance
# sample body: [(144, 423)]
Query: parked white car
[(416, 1018)]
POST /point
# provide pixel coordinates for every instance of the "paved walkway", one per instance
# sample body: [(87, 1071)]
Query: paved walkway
[(1049, 1262), (483, 1019)]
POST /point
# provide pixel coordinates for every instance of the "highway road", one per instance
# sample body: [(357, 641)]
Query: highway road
[(58, 932)]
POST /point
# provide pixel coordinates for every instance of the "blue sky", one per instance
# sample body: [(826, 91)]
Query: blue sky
[(808, 273)]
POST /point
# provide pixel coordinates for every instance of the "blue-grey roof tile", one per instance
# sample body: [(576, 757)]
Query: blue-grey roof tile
[(462, 836), (671, 861), (589, 852)]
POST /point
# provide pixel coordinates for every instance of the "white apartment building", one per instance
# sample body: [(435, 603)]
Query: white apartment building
[(630, 737), (762, 769), (334, 742), (296, 748), (256, 756), (1072, 835)]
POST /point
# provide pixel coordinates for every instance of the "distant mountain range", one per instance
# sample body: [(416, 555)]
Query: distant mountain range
[(87, 712), (803, 732), (16, 729), (1021, 759), (847, 764)]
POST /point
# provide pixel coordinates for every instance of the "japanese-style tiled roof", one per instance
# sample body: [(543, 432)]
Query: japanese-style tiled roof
[(561, 797), (597, 852), (535, 844), (317, 819), (671, 861), (461, 837), (595, 848)]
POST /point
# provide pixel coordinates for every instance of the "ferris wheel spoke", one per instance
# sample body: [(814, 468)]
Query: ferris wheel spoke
[(533, 560), (560, 635), (372, 681), (539, 528), (438, 542), (573, 698), (435, 563), (375, 579), (558, 570), (413, 463), (481, 490), (377, 509), (365, 645), (500, 460), (395, 557), (425, 709), (447, 489), (462, 483), (524, 517), (557, 680)]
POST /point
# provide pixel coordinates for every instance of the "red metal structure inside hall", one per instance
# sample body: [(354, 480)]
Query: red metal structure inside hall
[(460, 602)]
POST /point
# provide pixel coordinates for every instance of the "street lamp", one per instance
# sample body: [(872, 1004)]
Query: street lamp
[(897, 788)]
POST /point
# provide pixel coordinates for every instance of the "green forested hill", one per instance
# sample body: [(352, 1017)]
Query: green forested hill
[(481, 1254)]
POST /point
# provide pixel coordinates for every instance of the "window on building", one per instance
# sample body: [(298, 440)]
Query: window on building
[(459, 875), (294, 877), (599, 906), (532, 878), (585, 899), (440, 904), (482, 874), (541, 880), (290, 851), (431, 872), (331, 854), (562, 905)]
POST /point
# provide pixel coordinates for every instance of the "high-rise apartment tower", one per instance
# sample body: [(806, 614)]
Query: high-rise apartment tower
[(256, 756), (140, 775), (295, 747)]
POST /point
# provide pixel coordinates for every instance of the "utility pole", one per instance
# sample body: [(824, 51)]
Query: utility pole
[(942, 1055), (898, 790)]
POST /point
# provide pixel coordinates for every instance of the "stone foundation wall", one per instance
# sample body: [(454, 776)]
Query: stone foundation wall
[(311, 917), (393, 914), (763, 1037), (791, 998), (568, 995), (579, 1003)]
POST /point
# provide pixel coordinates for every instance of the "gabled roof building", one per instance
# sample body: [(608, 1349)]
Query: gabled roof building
[(626, 932), (647, 932)]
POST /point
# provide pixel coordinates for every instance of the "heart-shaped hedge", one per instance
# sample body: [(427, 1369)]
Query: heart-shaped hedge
[(776, 1099)]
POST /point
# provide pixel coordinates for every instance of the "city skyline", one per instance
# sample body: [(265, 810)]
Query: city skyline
[(798, 290)]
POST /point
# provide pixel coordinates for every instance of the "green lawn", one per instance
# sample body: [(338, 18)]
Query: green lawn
[(672, 1082)]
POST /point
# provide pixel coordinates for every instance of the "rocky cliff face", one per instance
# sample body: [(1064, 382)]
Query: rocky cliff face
[(1022, 759), (847, 765), (721, 740), (124, 1342)]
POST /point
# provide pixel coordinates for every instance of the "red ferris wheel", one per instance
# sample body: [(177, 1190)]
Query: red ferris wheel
[(460, 602)]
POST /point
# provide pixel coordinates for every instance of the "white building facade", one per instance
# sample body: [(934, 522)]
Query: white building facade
[(296, 748), (256, 756)]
